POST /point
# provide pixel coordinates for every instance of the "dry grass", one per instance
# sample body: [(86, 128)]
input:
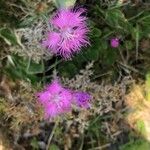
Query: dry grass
[(22, 110), (139, 110)]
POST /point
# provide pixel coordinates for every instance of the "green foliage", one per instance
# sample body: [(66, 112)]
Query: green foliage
[(94, 129), (34, 144), (140, 127), (9, 36), (144, 23), (115, 18), (53, 147), (19, 68), (7, 14), (96, 33), (34, 68), (136, 145), (129, 45), (105, 24), (68, 69)]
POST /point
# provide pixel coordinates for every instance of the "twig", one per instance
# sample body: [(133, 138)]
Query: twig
[(117, 133), (82, 142), (122, 57), (136, 16), (101, 147), (101, 75), (51, 135), (54, 65), (118, 6), (130, 68), (18, 6)]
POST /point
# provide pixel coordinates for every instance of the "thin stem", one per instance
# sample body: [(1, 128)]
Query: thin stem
[(101, 75), (122, 57), (101, 147), (119, 5), (137, 41), (82, 142), (51, 135), (130, 68), (136, 16), (54, 65)]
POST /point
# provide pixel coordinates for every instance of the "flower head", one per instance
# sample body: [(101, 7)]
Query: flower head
[(69, 34), (55, 99), (114, 42), (82, 99)]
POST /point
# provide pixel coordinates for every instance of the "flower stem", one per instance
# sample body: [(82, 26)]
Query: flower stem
[(51, 134)]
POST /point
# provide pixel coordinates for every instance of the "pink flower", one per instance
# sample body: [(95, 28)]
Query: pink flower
[(114, 42), (69, 34), (82, 99), (55, 99)]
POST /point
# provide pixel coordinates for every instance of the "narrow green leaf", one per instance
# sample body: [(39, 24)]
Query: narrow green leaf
[(35, 68), (8, 36)]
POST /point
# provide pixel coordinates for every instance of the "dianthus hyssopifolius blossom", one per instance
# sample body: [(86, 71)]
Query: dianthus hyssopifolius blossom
[(82, 99), (114, 42), (57, 100), (69, 32)]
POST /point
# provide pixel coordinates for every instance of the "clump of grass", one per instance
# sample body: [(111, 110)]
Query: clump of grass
[(139, 144)]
